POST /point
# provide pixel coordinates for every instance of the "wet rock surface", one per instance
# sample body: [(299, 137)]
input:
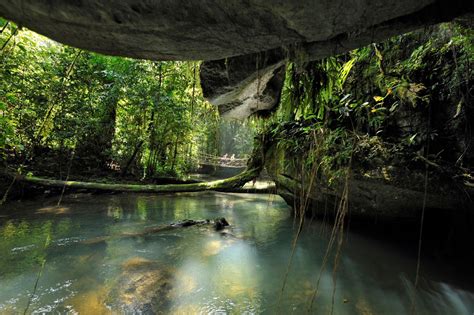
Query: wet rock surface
[(243, 85)]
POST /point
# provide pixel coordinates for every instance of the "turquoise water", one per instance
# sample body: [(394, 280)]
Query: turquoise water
[(89, 258)]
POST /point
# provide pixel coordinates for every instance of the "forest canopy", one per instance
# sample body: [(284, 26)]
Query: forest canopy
[(61, 105)]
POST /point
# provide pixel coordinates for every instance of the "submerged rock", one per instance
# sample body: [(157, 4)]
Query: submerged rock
[(91, 302), (144, 287)]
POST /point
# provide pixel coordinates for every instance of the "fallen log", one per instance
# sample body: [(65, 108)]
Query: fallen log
[(218, 224), (255, 165), (218, 185)]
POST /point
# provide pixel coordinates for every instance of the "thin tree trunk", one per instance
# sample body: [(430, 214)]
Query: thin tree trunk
[(12, 35), (50, 110), (193, 96), (151, 125), (132, 158), (174, 154)]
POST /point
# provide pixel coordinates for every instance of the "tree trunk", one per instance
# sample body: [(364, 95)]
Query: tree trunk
[(218, 224), (151, 163), (132, 158), (255, 165), (95, 145), (175, 153), (219, 185)]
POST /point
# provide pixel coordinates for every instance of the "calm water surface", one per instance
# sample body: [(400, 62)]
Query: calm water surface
[(95, 262)]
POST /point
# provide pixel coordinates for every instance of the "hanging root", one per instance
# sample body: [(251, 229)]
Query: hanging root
[(337, 235), (300, 212)]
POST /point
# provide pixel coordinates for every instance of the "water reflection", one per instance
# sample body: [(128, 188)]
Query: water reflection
[(90, 269)]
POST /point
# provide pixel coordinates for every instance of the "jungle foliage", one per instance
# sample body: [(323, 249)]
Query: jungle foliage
[(382, 103), (65, 109)]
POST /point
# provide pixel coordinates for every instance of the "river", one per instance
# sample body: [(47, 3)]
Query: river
[(86, 257)]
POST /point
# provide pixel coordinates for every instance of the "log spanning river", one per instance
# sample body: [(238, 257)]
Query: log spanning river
[(103, 254)]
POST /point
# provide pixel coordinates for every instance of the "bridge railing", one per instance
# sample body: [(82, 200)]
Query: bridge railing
[(224, 161)]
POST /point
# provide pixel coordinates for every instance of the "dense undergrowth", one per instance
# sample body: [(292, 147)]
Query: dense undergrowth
[(388, 108)]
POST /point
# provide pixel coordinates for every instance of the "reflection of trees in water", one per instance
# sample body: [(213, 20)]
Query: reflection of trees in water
[(23, 242)]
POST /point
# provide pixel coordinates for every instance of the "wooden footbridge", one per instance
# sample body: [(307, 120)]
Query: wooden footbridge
[(221, 161)]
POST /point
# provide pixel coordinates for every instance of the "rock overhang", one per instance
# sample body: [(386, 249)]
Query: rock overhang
[(220, 31), (207, 29)]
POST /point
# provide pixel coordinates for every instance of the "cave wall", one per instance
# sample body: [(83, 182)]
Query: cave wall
[(244, 85), (233, 102), (427, 131)]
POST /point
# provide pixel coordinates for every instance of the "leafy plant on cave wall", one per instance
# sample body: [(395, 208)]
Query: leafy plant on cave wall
[(376, 102)]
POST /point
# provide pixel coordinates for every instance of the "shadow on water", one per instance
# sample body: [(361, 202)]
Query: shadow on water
[(200, 270)]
